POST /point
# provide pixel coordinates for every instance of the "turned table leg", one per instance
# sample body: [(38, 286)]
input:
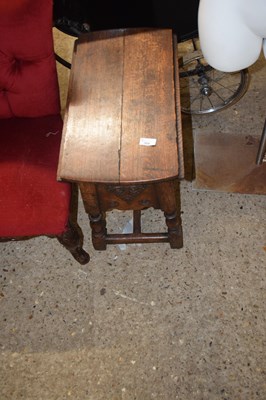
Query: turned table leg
[(98, 231), (96, 216), (169, 199)]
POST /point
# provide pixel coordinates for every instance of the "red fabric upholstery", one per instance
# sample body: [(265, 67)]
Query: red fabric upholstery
[(28, 81), (32, 202)]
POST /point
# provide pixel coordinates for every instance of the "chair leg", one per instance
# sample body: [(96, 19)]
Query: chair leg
[(72, 240), (262, 146)]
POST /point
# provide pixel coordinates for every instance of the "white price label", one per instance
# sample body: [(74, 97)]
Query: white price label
[(147, 142)]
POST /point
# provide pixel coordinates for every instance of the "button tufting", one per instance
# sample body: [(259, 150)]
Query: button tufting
[(15, 65)]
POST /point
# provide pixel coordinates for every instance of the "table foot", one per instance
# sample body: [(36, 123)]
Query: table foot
[(99, 231), (175, 234)]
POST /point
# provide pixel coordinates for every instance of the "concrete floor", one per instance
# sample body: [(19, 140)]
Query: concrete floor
[(144, 322)]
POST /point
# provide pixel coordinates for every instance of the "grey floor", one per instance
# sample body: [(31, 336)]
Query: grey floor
[(144, 322)]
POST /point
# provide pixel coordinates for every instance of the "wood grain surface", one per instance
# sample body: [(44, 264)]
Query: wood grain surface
[(121, 90)]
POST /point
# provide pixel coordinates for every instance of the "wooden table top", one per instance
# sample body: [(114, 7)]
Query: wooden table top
[(122, 118)]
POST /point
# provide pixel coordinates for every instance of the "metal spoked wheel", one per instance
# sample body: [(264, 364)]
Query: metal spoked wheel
[(204, 89)]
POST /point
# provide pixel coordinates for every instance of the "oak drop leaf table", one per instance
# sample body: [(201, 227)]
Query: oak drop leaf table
[(122, 138)]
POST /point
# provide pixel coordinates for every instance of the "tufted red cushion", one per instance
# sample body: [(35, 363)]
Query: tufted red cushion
[(32, 202), (28, 81)]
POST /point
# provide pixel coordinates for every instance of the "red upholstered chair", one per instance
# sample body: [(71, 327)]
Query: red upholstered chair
[(32, 202)]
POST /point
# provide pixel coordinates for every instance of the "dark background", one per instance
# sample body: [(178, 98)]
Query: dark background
[(179, 15)]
